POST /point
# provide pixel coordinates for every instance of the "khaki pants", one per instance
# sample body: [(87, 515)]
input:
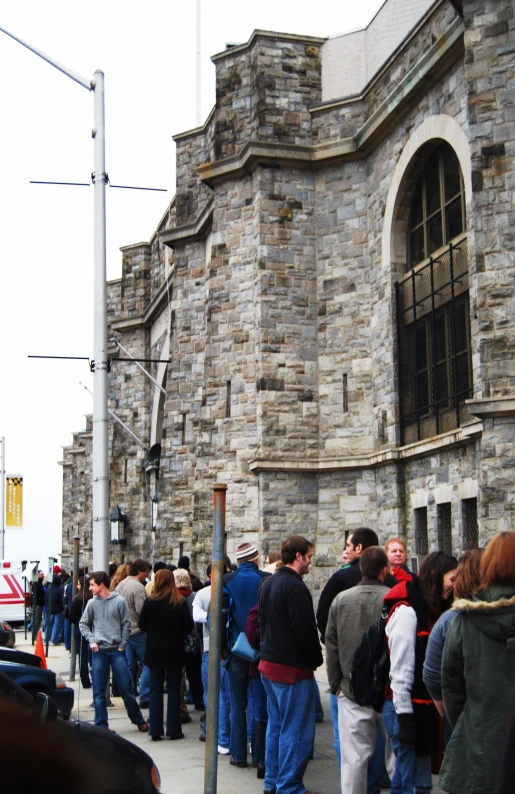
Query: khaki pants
[(358, 726)]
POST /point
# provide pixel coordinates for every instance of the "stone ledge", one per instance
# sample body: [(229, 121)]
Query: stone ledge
[(430, 64), (191, 231), (267, 34), (420, 449), (492, 406)]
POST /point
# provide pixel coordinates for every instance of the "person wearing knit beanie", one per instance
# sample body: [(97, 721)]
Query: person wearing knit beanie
[(242, 589), (246, 552)]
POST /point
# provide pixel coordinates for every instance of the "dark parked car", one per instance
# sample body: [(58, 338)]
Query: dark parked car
[(7, 635), (116, 765), (35, 679), (20, 657)]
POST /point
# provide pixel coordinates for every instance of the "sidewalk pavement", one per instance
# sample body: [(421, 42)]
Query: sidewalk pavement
[(181, 764)]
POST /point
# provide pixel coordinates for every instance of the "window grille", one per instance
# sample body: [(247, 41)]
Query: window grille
[(435, 371), (421, 537), (444, 518), (470, 525)]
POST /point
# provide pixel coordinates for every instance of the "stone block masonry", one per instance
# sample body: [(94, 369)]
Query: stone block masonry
[(269, 288)]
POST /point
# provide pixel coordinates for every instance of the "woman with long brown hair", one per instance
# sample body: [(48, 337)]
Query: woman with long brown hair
[(166, 619), (478, 673), (465, 585)]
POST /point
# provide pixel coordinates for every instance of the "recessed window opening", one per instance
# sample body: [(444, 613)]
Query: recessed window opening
[(470, 525), (228, 400), (421, 536), (345, 399), (435, 368), (444, 526)]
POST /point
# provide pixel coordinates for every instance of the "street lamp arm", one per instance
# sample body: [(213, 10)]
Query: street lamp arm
[(89, 84)]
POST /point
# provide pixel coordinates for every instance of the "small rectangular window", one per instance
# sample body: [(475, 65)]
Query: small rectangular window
[(421, 537), (470, 525), (345, 398), (444, 526), (228, 400), (183, 429)]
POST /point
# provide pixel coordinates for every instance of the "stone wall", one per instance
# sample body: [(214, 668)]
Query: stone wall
[(269, 288)]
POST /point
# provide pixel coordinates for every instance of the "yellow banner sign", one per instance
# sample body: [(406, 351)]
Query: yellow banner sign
[(14, 501)]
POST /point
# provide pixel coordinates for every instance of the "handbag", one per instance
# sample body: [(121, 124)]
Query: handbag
[(244, 649), (192, 646)]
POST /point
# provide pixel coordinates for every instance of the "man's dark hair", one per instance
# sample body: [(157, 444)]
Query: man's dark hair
[(372, 561), (138, 566), (208, 569), (367, 537), (113, 567), (293, 546), (184, 562), (100, 577), (171, 568), (158, 566), (227, 563)]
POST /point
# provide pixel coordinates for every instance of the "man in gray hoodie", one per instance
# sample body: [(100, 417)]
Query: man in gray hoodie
[(106, 626)]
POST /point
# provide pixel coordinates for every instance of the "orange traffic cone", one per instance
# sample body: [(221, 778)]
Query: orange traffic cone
[(40, 650)]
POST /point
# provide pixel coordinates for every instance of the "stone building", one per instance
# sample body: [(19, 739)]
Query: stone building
[(333, 288)]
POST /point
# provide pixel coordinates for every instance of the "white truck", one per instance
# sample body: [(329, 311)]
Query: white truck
[(12, 592)]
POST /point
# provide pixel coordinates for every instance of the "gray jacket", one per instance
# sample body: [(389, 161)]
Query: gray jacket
[(106, 621), (350, 615)]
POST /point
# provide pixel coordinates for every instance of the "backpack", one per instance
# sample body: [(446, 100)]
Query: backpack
[(370, 671)]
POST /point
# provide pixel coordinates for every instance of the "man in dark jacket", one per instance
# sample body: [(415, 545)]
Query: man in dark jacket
[(349, 576), (55, 608), (242, 588), (290, 652)]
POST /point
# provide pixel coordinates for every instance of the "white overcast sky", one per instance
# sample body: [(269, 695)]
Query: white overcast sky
[(147, 52)]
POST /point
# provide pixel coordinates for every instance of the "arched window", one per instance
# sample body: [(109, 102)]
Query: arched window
[(433, 303), (438, 210)]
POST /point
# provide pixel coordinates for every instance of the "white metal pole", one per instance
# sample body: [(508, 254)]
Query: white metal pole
[(100, 434), (198, 112), (2, 500), (100, 427)]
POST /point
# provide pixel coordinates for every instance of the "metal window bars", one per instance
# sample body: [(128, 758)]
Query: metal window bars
[(421, 535), (444, 528), (470, 525), (433, 329)]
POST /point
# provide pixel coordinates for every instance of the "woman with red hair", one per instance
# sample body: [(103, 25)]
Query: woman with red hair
[(478, 673)]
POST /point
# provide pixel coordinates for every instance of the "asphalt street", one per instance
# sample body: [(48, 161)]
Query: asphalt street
[(181, 764)]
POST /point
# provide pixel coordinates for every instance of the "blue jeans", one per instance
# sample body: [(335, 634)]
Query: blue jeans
[(333, 703), (290, 734), (319, 709), (258, 713), (224, 709), (238, 682), (135, 649), (100, 662), (67, 634), (173, 710), (55, 627), (412, 772)]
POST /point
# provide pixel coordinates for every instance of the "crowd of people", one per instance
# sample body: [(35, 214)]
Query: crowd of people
[(438, 645)]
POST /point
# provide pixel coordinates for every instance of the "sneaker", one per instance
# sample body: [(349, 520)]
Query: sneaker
[(202, 738), (186, 719), (143, 727), (223, 750)]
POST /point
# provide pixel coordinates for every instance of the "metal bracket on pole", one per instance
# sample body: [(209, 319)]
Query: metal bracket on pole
[(154, 381)]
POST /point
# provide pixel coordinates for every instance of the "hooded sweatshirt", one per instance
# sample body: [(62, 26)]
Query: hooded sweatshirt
[(106, 621), (478, 676)]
